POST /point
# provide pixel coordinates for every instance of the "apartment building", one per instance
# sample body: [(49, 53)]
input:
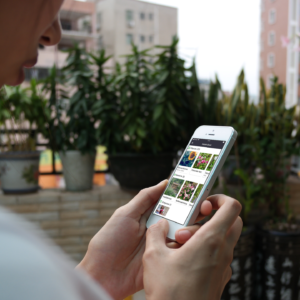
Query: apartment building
[(279, 45), (108, 24), (78, 21), (121, 22)]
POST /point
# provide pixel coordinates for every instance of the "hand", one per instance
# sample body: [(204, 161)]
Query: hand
[(114, 256), (199, 269)]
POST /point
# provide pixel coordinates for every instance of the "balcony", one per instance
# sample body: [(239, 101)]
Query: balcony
[(78, 22)]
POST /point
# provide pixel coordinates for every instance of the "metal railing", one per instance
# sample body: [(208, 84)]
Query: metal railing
[(38, 144)]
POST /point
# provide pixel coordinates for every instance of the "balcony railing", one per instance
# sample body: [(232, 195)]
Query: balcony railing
[(40, 145)]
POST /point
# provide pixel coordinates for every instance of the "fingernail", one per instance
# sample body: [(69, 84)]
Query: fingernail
[(184, 234), (160, 221)]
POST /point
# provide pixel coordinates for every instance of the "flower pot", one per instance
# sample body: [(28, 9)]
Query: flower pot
[(78, 170), (278, 265), (241, 284), (19, 172), (137, 171)]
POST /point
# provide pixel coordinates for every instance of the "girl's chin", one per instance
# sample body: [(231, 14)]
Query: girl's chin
[(18, 80)]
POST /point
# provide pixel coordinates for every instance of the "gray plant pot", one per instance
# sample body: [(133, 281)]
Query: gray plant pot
[(78, 170), (19, 172)]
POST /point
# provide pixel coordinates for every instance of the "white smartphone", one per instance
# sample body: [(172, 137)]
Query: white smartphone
[(193, 177)]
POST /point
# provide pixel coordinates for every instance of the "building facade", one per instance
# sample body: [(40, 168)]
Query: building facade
[(107, 24), (121, 22), (279, 45), (78, 22)]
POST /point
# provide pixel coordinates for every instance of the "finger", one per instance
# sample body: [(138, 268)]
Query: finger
[(184, 234), (228, 275), (156, 235), (173, 245), (228, 209), (145, 199), (234, 232), (205, 210)]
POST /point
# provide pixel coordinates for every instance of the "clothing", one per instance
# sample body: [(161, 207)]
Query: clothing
[(33, 268)]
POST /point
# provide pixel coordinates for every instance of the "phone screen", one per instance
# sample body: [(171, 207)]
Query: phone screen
[(188, 179)]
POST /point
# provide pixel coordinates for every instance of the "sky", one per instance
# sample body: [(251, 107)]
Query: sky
[(223, 35)]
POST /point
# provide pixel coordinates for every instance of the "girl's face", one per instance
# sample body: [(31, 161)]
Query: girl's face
[(24, 24)]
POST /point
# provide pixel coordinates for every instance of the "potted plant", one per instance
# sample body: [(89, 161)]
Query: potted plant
[(262, 160), (279, 236), (22, 116), (147, 115), (72, 127), (236, 178)]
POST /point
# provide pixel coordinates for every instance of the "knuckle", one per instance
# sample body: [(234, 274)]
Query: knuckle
[(149, 254), (241, 223), (214, 240), (236, 205), (152, 229), (119, 211), (229, 274), (144, 192), (229, 257)]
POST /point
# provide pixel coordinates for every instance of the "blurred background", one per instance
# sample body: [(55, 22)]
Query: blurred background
[(110, 109)]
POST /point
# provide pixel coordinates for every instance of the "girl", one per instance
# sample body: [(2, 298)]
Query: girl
[(122, 259)]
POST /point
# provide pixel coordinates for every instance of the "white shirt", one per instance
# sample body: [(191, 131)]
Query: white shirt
[(33, 268)]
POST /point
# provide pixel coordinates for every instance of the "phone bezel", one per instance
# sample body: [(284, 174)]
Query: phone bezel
[(221, 133)]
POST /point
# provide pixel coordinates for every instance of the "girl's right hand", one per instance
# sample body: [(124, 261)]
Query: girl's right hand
[(200, 268)]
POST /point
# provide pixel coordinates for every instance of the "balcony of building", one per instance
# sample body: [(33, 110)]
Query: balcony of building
[(78, 23)]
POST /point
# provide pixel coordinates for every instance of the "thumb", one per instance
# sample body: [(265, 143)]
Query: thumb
[(157, 234)]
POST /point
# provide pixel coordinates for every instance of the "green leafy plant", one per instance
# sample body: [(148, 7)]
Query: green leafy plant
[(72, 126), (202, 161), (23, 112), (187, 190), (197, 192), (174, 187), (148, 107), (264, 146)]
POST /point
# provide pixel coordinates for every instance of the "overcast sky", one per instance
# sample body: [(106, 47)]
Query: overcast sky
[(223, 35)]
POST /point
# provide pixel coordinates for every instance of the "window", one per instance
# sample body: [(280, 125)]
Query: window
[(142, 39), (99, 21), (129, 38), (142, 16), (271, 60), (272, 38), (129, 16), (272, 16), (100, 42), (151, 39), (270, 81), (151, 17), (37, 73), (66, 24), (261, 64)]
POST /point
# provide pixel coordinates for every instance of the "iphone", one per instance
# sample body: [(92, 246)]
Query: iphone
[(193, 177)]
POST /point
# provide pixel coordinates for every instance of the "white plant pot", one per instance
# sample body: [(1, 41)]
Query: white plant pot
[(78, 170), (19, 172)]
